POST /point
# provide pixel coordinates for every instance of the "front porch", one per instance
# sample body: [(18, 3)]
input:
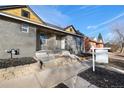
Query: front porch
[(50, 40), (56, 41)]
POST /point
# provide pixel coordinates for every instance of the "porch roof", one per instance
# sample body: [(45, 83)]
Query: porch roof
[(38, 24)]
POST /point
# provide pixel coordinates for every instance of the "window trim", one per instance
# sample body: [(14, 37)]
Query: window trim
[(22, 27), (25, 11)]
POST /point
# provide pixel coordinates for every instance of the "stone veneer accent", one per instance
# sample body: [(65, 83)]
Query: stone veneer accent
[(18, 71)]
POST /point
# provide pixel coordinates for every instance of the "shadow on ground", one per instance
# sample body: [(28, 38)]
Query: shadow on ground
[(61, 85)]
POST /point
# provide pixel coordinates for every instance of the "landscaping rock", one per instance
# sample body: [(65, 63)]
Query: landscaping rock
[(5, 63)]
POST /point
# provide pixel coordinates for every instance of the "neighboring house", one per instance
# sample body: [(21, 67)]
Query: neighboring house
[(89, 43), (21, 28)]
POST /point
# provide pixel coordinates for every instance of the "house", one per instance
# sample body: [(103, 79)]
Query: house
[(89, 43), (21, 28)]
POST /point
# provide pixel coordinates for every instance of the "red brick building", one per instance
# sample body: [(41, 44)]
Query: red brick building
[(88, 43)]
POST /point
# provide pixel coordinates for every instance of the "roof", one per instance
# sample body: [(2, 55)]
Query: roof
[(11, 6), (69, 27), (55, 26), (47, 25), (77, 31), (92, 40)]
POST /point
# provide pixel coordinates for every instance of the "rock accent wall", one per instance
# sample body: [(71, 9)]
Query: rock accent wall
[(60, 62), (56, 60), (73, 44), (18, 71)]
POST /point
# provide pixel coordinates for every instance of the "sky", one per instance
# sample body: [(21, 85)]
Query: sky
[(88, 19)]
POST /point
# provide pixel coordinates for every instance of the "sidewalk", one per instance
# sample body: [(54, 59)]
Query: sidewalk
[(51, 77), (116, 56)]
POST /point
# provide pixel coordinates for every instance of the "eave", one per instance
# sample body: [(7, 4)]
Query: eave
[(38, 24)]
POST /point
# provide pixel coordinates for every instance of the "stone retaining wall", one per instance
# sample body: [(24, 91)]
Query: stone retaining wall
[(18, 71), (60, 62)]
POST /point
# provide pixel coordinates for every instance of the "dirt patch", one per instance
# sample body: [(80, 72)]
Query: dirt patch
[(5, 63), (103, 78)]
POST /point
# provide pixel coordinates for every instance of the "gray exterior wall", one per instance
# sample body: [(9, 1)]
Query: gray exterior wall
[(12, 37)]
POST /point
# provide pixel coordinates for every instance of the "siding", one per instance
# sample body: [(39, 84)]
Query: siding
[(70, 30), (17, 12)]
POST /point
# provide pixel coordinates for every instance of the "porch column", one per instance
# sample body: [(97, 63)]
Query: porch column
[(63, 43)]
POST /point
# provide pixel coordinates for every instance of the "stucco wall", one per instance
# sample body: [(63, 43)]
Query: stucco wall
[(51, 42), (12, 37)]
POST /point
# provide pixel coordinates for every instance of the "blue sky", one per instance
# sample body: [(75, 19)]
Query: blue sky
[(90, 20)]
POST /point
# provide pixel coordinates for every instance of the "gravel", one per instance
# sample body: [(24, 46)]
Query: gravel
[(103, 78), (5, 63)]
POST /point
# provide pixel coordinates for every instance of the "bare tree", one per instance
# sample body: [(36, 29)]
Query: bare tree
[(118, 31)]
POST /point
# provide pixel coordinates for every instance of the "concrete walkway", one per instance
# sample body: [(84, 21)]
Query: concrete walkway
[(78, 82), (50, 77)]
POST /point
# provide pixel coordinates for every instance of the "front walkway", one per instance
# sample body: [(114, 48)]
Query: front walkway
[(51, 77)]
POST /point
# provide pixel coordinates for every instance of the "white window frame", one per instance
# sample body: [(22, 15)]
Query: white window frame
[(27, 28)]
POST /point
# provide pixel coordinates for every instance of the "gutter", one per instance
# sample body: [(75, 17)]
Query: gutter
[(38, 24)]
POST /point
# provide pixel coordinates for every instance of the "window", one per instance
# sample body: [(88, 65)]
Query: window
[(25, 14), (71, 29), (43, 41), (25, 28)]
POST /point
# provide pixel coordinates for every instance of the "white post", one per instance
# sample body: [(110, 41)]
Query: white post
[(84, 45), (93, 55)]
